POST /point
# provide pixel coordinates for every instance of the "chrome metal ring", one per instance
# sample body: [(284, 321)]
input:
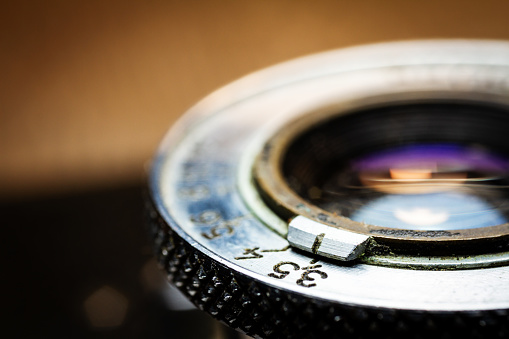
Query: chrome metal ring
[(227, 249)]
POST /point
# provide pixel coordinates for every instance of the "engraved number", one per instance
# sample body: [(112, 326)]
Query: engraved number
[(250, 253), (283, 274), (306, 277), (219, 226), (214, 231), (206, 217)]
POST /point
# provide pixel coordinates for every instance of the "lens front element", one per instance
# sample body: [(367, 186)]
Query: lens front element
[(420, 187)]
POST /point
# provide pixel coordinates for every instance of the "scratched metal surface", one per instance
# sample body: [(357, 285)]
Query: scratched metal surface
[(194, 178)]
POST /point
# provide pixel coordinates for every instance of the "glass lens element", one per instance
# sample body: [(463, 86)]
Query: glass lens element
[(421, 187), (435, 211)]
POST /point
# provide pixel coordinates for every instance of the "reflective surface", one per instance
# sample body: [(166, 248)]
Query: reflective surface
[(441, 186), (436, 211), (197, 187)]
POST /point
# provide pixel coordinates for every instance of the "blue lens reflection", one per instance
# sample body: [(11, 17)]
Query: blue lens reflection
[(437, 211), (430, 187)]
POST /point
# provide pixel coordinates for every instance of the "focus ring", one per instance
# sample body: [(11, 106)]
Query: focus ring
[(261, 310)]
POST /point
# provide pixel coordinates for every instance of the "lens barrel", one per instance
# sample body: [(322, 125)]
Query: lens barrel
[(352, 193)]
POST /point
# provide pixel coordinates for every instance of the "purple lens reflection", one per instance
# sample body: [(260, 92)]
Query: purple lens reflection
[(431, 187), (445, 155)]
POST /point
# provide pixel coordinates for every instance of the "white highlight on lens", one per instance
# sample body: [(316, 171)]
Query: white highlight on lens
[(421, 216), (434, 211)]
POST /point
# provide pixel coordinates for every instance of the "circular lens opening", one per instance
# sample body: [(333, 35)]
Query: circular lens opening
[(419, 187), (426, 166)]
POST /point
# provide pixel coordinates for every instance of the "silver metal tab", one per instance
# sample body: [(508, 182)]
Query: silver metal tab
[(324, 240)]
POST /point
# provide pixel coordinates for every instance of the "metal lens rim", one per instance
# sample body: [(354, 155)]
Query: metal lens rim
[(388, 246)]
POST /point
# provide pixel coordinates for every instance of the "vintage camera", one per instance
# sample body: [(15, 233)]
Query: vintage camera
[(351, 193)]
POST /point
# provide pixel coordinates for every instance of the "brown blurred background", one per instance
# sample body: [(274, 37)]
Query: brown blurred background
[(87, 90)]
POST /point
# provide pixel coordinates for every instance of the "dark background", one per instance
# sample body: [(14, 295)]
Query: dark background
[(87, 90)]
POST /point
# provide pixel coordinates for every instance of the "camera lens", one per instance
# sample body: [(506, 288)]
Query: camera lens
[(425, 187), (415, 166), (417, 176), (354, 193)]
